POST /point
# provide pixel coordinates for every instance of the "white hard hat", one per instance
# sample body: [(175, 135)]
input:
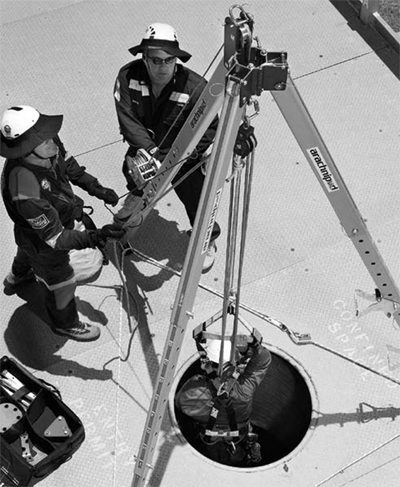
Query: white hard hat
[(213, 350), (161, 36), (23, 128), (17, 120), (160, 31)]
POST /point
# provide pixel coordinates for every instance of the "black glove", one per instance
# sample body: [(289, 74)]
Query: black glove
[(107, 195), (113, 230), (74, 239)]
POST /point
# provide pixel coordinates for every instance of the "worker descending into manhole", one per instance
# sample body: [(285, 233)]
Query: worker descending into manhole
[(221, 405)]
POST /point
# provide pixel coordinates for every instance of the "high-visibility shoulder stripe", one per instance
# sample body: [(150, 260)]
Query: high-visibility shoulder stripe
[(117, 92), (53, 240), (134, 84), (179, 97)]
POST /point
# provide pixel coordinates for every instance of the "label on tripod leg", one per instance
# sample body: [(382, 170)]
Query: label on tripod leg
[(211, 222), (323, 169)]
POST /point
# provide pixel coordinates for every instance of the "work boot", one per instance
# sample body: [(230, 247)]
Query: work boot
[(129, 207), (66, 322), (81, 332), (11, 281), (209, 258)]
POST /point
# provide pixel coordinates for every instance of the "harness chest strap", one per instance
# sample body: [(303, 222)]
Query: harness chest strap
[(221, 399)]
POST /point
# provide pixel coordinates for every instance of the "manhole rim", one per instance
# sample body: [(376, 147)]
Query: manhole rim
[(282, 461)]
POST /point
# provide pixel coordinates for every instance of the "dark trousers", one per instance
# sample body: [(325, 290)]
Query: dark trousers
[(188, 191), (52, 268)]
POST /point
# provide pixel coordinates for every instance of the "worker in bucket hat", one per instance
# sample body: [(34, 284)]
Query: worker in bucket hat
[(50, 228), (154, 96)]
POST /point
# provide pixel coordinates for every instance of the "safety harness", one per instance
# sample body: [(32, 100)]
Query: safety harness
[(221, 393), (221, 400)]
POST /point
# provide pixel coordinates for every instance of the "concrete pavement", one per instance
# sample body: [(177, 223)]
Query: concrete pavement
[(300, 268)]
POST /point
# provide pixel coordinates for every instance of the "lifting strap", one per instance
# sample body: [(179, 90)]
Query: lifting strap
[(221, 399)]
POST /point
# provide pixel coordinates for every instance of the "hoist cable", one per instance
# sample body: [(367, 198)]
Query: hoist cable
[(245, 217)]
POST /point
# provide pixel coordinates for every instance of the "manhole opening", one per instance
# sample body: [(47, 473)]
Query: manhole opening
[(282, 409)]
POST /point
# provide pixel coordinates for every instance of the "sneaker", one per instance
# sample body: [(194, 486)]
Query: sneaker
[(11, 281), (209, 258), (128, 208), (82, 332)]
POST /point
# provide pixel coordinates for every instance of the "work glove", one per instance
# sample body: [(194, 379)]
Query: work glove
[(98, 238), (108, 195), (112, 230), (74, 239), (246, 345)]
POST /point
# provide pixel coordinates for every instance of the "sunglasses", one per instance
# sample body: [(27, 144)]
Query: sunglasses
[(158, 60)]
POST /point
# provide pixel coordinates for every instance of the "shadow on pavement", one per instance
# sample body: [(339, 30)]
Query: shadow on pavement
[(161, 240), (363, 414), (30, 341), (377, 43), (168, 442)]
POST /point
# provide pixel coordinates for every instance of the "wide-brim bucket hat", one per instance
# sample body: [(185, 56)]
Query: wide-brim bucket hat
[(46, 127)]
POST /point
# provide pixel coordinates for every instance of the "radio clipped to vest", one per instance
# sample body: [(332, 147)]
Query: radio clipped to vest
[(142, 167)]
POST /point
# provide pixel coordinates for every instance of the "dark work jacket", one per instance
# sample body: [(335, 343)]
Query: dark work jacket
[(145, 120), (195, 398), (40, 200)]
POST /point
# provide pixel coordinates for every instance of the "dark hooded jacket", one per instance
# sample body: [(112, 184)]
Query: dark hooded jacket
[(196, 397)]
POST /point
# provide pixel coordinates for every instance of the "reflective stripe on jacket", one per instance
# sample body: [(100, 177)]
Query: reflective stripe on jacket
[(40, 200), (144, 120)]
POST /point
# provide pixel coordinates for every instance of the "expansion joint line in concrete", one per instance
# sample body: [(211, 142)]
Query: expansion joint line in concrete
[(357, 460), (325, 68)]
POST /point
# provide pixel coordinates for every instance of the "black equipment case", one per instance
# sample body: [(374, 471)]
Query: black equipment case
[(38, 432)]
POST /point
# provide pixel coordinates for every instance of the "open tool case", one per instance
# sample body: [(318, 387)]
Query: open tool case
[(38, 432)]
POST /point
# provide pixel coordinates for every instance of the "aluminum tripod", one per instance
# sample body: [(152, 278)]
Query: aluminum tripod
[(245, 72)]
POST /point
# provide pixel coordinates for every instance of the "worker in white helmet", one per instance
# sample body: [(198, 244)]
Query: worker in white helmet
[(221, 406), (50, 228), (153, 97)]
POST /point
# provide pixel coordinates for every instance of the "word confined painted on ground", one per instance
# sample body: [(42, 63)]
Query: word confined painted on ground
[(358, 345)]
